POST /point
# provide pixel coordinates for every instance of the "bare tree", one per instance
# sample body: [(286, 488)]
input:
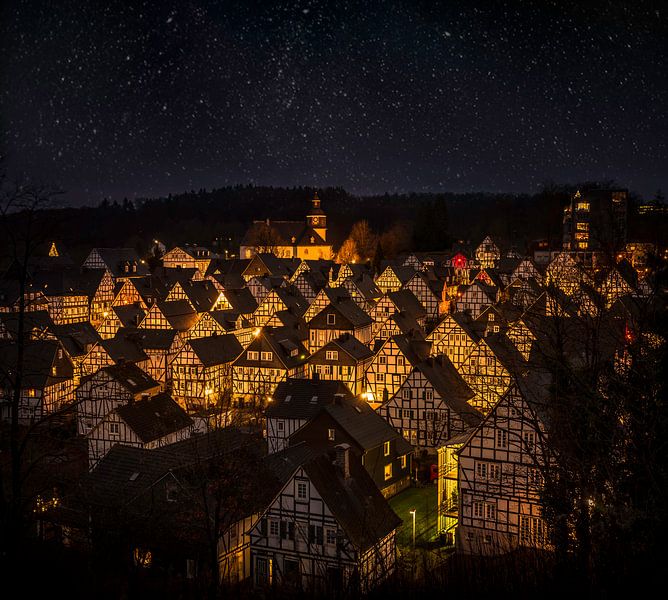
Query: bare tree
[(24, 229)]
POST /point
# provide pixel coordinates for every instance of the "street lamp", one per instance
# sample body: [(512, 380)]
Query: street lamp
[(413, 513)]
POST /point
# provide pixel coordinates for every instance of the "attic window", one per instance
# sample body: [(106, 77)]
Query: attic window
[(331, 319), (293, 239), (134, 476), (288, 398), (314, 400)]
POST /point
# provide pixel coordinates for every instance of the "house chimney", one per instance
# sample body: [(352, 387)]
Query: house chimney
[(343, 459), (338, 399)]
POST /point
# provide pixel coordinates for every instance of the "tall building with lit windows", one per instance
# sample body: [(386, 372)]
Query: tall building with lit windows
[(595, 220)]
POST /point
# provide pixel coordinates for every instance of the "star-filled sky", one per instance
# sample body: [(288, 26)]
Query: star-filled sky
[(109, 98)]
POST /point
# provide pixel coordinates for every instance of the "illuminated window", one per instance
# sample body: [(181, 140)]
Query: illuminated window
[(404, 461), (388, 471), (332, 355), (582, 226), (252, 355), (582, 206), (331, 434), (386, 448)]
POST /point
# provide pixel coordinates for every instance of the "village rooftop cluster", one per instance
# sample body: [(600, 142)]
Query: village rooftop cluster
[(274, 404)]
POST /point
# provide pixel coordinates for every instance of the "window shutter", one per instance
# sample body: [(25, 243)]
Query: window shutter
[(284, 530), (311, 534), (291, 530), (263, 527)]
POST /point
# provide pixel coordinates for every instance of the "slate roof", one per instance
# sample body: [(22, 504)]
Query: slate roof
[(115, 258), (38, 358), (154, 418), (216, 349), (451, 387), (284, 232), (407, 302), (179, 314), (366, 426), (242, 300), (350, 345), (414, 347), (281, 341), (76, 338), (356, 503), (131, 377), (123, 349), (305, 398), (129, 315), (149, 339), (353, 315)]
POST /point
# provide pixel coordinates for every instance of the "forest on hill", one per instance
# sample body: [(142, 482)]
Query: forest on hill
[(218, 218)]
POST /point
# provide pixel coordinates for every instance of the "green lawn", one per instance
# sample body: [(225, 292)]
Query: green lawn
[(423, 500)]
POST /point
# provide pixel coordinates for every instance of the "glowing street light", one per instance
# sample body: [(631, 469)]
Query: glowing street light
[(413, 514)]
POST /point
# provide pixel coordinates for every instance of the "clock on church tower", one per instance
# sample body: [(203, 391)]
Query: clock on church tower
[(316, 218)]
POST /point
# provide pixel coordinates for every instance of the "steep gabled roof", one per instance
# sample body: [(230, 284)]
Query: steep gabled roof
[(407, 303), (216, 349), (76, 338), (451, 387), (131, 377), (154, 418), (356, 503), (366, 426), (305, 398)]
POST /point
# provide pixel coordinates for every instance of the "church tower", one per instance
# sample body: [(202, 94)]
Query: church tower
[(316, 218)]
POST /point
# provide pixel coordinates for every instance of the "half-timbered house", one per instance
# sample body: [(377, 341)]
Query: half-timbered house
[(328, 528), (149, 423), (381, 450), (274, 355), (336, 319), (490, 368), (431, 405), (455, 336), (344, 359), (475, 297), (111, 386), (501, 468), (391, 365), (394, 277), (46, 384), (297, 401), (202, 371)]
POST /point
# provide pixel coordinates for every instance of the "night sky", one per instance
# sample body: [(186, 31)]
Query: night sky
[(105, 99)]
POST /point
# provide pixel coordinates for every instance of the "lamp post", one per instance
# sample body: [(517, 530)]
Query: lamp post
[(413, 513)]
